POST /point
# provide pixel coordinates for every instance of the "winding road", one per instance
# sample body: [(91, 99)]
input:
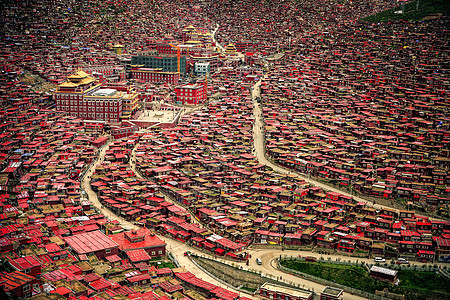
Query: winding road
[(258, 139), (176, 247), (267, 255)]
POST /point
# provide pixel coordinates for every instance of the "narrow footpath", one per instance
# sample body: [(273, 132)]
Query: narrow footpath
[(267, 255), (177, 248), (259, 140)]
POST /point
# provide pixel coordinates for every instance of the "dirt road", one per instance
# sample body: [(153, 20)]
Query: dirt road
[(258, 139), (177, 248), (267, 255)]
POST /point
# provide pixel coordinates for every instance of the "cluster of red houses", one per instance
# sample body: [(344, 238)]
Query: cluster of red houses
[(269, 27), (56, 243), (53, 40), (374, 127), (204, 164), (51, 239), (136, 199), (43, 154), (357, 104), (100, 272)]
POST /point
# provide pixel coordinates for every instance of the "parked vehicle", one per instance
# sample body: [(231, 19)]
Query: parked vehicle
[(258, 261), (379, 259), (402, 261), (310, 258)]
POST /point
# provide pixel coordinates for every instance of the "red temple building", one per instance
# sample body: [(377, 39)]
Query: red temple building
[(191, 93), (82, 96)]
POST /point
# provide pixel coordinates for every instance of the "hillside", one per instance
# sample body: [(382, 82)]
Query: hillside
[(426, 9)]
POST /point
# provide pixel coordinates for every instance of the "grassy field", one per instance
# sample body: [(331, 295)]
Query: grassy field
[(423, 285), (351, 276), (426, 7), (163, 264), (413, 284)]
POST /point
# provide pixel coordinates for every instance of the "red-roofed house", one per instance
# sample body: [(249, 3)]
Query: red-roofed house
[(29, 265), (63, 291), (138, 255), (93, 242), (142, 238), (100, 285), (141, 279), (163, 272), (5, 245), (443, 249), (170, 288), (19, 285)]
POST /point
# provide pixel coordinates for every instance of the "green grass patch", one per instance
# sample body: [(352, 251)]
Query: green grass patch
[(422, 285), (163, 264), (352, 276), (413, 284), (426, 7), (248, 289)]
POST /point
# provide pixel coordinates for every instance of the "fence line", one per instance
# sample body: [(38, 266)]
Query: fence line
[(407, 267), (174, 259), (264, 277), (329, 283), (218, 279)]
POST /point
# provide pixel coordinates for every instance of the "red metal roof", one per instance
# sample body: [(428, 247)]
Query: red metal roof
[(138, 255), (61, 291), (149, 241), (139, 277), (113, 258), (12, 280), (89, 242), (23, 263), (100, 284), (163, 271), (443, 242)]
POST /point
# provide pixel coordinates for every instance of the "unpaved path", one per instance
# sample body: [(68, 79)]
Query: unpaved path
[(258, 139), (176, 247)]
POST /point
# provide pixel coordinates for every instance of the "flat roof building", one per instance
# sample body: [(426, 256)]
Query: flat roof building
[(141, 238), (193, 94), (331, 293), (166, 62), (273, 291), (154, 75), (202, 68), (93, 242), (383, 273), (82, 96)]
